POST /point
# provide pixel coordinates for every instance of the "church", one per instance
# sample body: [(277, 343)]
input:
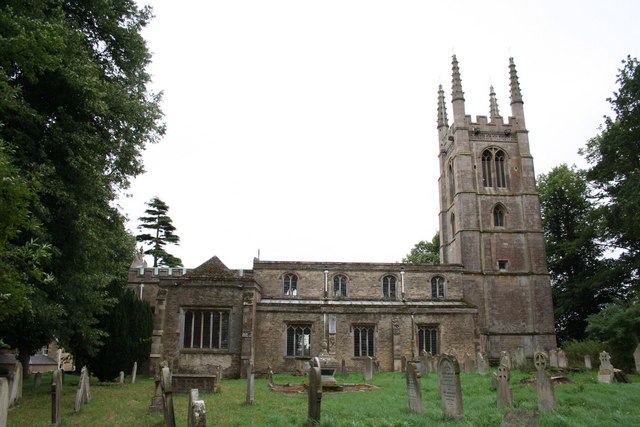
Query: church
[(491, 292)]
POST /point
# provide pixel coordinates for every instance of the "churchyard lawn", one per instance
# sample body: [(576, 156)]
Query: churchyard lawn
[(584, 402)]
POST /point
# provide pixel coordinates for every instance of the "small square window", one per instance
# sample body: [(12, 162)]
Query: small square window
[(502, 264)]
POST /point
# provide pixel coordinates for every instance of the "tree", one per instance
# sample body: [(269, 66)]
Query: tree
[(425, 252), (162, 232), (614, 156), (582, 281), (76, 114), (128, 325)]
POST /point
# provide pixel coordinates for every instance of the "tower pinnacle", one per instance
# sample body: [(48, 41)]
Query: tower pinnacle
[(493, 104), (457, 96), (443, 121), (516, 96)]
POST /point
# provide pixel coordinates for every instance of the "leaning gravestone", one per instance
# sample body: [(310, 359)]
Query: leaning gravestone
[(368, 368), (605, 374), (504, 395), (482, 364), (250, 384), (314, 392), (134, 372), (587, 362), (449, 385), (4, 401), (82, 394), (544, 386), (56, 396), (167, 398), (553, 358), (414, 392), (15, 386), (636, 357), (563, 363)]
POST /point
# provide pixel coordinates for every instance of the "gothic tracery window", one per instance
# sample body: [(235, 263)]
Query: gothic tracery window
[(290, 284), (437, 287), (389, 286), (494, 168), (498, 216), (340, 286)]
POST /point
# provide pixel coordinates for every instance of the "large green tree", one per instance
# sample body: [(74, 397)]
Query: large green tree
[(425, 252), (75, 113), (582, 281), (160, 225)]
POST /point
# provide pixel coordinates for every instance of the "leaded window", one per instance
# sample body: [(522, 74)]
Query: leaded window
[(206, 329), (389, 286), (437, 287), (340, 286), (494, 172), (498, 216), (290, 284), (298, 340), (364, 340), (428, 339)]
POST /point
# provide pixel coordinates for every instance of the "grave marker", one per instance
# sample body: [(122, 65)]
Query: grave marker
[(15, 386), (167, 398), (414, 392), (636, 357), (250, 384), (504, 395), (121, 380), (343, 370), (198, 413), (563, 363), (37, 380), (521, 360), (449, 386), (587, 362), (270, 375), (468, 363), (553, 358), (56, 395), (4, 401), (368, 368), (544, 386), (520, 418), (314, 392), (425, 364), (82, 394), (605, 374), (482, 364), (134, 372), (156, 404)]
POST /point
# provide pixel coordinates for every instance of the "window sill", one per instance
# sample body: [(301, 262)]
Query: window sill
[(204, 350)]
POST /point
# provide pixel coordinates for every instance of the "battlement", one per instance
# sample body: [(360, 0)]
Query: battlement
[(153, 274)]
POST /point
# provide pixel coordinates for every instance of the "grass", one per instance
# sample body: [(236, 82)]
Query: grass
[(585, 402)]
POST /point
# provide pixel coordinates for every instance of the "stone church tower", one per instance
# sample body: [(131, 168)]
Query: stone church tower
[(490, 219)]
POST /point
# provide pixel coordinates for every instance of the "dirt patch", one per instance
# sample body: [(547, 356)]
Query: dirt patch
[(556, 380), (341, 388)]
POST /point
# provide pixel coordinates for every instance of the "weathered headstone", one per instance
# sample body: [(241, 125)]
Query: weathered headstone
[(194, 395), (605, 373), (121, 380), (449, 385), (553, 358), (587, 362), (56, 396), (343, 369), (314, 392), (156, 401), (250, 384), (198, 413), (636, 357), (505, 359), (520, 418), (4, 401), (403, 363), (521, 360), (134, 372), (414, 391), (15, 386), (544, 386), (563, 363), (167, 398), (482, 364), (270, 375), (468, 363), (82, 396), (504, 395), (368, 368), (425, 364), (37, 380)]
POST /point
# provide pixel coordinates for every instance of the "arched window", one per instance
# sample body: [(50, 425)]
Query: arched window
[(290, 284), (389, 286), (437, 287), (498, 215), (340, 286), (494, 169), (452, 182)]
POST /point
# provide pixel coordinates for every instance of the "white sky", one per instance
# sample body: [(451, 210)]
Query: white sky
[(307, 130)]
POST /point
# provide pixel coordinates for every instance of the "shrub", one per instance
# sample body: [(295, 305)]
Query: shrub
[(576, 350)]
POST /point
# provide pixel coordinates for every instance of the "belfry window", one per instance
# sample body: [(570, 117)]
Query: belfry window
[(493, 168), (389, 286), (437, 287), (290, 284), (340, 286), (498, 216)]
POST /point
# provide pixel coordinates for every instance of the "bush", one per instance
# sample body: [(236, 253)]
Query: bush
[(576, 350)]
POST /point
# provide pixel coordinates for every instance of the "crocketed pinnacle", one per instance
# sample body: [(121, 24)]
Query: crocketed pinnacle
[(442, 109), (516, 95), (456, 82), (493, 103)]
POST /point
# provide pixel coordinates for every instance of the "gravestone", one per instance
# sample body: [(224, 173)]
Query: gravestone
[(504, 395), (414, 392), (15, 386), (167, 398), (56, 395), (553, 358), (82, 394), (521, 360), (4, 401), (134, 372), (468, 363), (563, 363), (587, 362), (121, 380), (434, 363), (156, 400), (520, 418), (343, 369), (37, 380), (314, 392), (544, 386), (198, 414), (250, 384), (505, 359), (270, 375), (636, 357), (425, 363), (482, 364), (605, 373), (368, 368), (403, 364), (449, 386)]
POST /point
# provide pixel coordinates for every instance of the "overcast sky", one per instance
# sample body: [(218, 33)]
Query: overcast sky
[(307, 130)]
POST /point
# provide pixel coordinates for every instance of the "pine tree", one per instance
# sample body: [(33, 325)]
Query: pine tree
[(162, 232)]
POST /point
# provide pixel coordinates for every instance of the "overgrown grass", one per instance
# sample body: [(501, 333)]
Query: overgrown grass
[(585, 402)]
